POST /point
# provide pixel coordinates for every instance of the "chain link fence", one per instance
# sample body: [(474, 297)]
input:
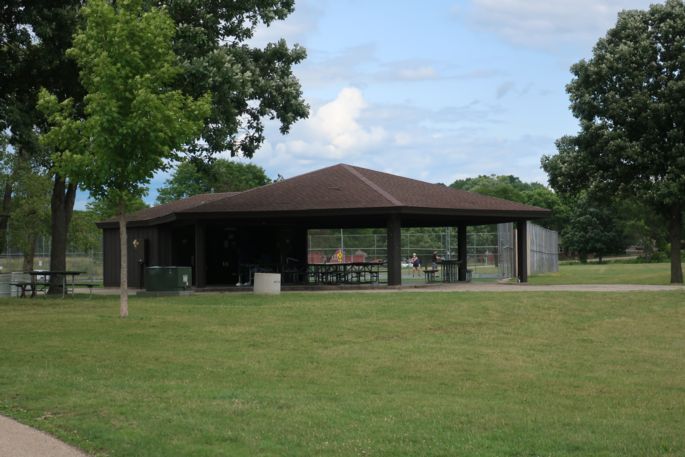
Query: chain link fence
[(89, 263), (491, 250)]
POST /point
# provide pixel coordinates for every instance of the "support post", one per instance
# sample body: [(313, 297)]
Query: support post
[(200, 255), (522, 250), (461, 252), (394, 251)]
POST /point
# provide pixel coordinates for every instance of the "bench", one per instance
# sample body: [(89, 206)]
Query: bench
[(430, 274), (32, 286)]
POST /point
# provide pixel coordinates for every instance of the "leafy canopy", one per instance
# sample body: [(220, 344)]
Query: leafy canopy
[(248, 84), (593, 228), (221, 175), (630, 101), (134, 122), (510, 187)]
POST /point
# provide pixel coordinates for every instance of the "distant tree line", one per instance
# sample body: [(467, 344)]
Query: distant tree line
[(587, 225)]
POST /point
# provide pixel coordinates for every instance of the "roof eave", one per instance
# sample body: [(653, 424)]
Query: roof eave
[(109, 224)]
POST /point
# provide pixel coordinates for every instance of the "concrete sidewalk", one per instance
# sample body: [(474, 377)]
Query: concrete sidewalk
[(19, 440), (436, 287)]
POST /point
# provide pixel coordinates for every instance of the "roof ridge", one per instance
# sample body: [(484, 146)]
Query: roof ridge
[(372, 184)]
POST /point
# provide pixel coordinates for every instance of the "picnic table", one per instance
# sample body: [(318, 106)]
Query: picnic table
[(344, 273), (40, 281), (430, 274), (450, 270)]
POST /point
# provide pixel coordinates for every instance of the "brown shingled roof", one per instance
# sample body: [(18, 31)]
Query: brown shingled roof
[(340, 188), (347, 187), (168, 209)]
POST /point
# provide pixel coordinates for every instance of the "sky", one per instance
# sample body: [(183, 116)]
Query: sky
[(434, 90)]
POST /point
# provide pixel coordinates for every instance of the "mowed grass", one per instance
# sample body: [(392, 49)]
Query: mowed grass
[(375, 374), (607, 273)]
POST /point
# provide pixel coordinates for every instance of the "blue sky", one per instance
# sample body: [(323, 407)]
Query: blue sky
[(433, 90)]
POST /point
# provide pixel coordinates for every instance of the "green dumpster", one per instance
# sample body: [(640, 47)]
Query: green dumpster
[(162, 279)]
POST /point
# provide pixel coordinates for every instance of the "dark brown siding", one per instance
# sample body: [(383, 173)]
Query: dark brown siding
[(110, 257), (146, 254), (164, 252)]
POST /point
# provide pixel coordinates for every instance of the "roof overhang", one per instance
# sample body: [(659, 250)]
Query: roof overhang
[(348, 217)]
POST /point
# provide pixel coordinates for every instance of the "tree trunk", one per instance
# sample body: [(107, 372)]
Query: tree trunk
[(62, 207), (675, 232), (30, 253), (123, 278), (5, 215)]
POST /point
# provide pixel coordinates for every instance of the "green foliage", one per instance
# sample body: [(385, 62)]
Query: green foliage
[(508, 187), (33, 40), (84, 236), (195, 177), (512, 188), (134, 121), (103, 209), (30, 214), (593, 228), (247, 84), (629, 98), (211, 41)]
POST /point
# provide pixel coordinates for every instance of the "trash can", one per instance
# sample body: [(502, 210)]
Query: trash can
[(267, 283), (164, 279)]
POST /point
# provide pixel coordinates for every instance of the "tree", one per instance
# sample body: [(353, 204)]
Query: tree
[(84, 236), (507, 187), (593, 228), (134, 121), (221, 175), (34, 37), (30, 215), (104, 209), (6, 183), (247, 84), (512, 188), (630, 100)]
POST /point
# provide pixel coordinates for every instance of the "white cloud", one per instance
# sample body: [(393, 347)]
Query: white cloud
[(418, 73), (547, 24), (337, 122), (435, 145), (333, 132)]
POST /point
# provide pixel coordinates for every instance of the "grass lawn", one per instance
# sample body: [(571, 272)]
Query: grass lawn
[(377, 374), (607, 273)]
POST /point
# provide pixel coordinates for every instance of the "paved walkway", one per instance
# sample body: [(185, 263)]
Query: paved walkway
[(497, 287), (441, 287), (19, 440)]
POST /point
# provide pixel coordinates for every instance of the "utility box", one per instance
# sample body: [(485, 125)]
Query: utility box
[(163, 279)]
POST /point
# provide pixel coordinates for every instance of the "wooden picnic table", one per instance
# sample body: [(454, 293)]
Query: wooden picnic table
[(345, 272), (41, 278), (450, 270)]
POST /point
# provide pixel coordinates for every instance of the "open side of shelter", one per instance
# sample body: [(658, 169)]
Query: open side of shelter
[(225, 237)]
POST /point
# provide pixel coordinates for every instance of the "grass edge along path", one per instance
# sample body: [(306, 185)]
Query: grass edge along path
[(607, 273), (351, 374)]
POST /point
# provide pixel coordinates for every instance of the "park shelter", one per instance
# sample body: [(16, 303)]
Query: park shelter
[(217, 233)]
